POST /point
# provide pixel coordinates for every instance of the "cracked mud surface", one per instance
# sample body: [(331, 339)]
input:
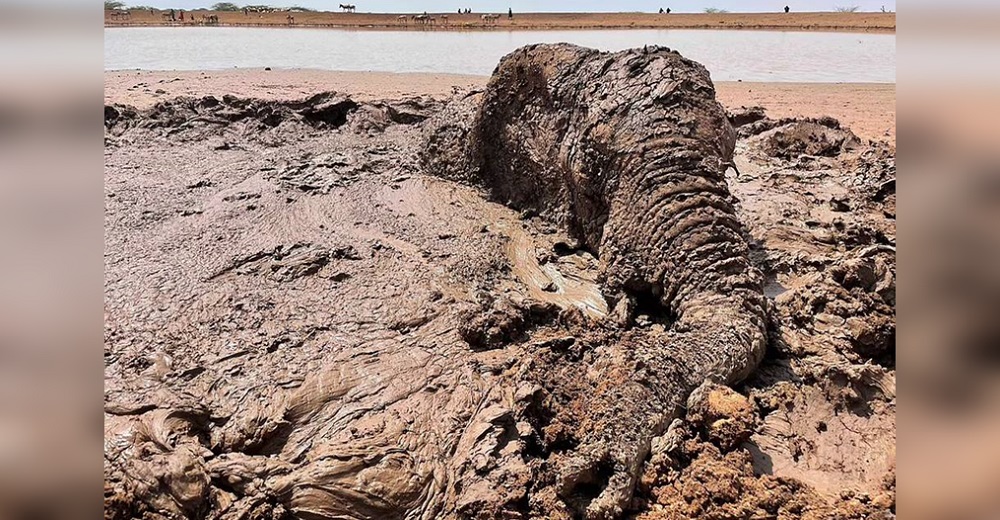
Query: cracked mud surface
[(303, 322)]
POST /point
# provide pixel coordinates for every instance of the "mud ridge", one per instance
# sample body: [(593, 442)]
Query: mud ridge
[(272, 122)]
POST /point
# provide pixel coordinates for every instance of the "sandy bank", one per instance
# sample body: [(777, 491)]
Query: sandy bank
[(883, 22), (869, 109)]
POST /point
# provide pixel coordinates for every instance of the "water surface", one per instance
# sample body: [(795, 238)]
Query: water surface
[(729, 54)]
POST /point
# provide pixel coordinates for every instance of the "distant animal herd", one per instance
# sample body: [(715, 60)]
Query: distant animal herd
[(167, 16), (420, 19), (171, 16), (443, 19)]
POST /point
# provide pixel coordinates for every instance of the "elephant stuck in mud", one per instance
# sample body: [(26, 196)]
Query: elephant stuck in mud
[(369, 353), (628, 152)]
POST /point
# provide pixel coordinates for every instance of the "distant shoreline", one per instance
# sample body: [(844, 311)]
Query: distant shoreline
[(830, 22)]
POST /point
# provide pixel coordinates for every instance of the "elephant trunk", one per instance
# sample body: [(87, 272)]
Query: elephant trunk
[(673, 236)]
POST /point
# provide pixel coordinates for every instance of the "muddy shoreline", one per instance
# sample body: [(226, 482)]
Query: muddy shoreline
[(299, 315), (837, 22), (868, 109)]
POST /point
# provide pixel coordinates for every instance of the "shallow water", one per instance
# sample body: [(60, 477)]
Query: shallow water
[(730, 55)]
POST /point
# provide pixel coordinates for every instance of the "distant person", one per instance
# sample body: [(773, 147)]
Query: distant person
[(173, 15), (510, 13), (787, 9), (459, 11), (182, 15), (668, 10), (661, 10)]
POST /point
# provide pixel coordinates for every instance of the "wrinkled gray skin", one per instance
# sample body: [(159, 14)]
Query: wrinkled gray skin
[(627, 151)]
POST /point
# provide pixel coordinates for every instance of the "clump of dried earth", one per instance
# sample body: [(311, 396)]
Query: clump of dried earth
[(305, 320)]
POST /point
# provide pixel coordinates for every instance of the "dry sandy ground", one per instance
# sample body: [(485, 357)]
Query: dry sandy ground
[(868, 109), (884, 22)]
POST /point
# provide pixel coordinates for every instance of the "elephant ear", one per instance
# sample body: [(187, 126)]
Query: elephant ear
[(521, 126)]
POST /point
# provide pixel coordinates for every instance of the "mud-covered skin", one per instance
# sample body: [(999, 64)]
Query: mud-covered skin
[(628, 151)]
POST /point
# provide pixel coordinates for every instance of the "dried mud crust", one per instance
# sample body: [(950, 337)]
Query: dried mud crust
[(304, 321)]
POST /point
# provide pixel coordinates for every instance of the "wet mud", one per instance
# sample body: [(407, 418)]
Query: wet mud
[(617, 300)]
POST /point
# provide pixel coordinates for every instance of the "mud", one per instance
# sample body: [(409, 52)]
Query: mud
[(339, 309)]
